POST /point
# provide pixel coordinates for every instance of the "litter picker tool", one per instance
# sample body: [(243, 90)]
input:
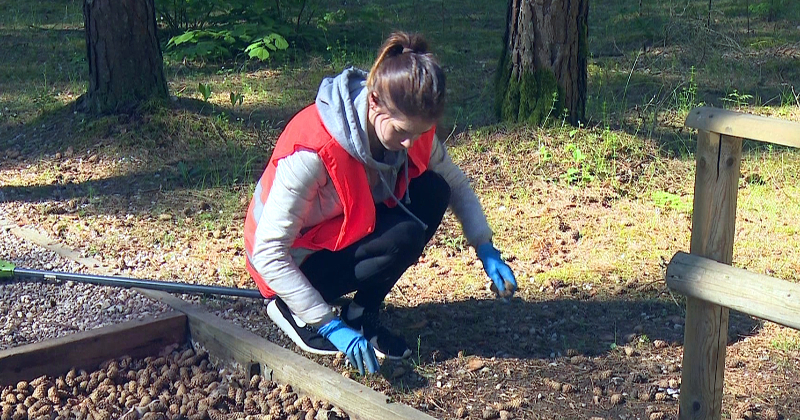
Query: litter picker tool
[(9, 270)]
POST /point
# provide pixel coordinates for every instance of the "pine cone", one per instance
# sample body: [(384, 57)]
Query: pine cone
[(32, 409), (69, 378), (250, 407), (173, 373), (240, 396), (160, 384), (215, 414), (92, 384), (39, 381), (101, 415), (275, 410), (304, 403), (267, 385), (40, 391), (255, 381)]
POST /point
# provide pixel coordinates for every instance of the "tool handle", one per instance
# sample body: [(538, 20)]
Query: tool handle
[(6, 269)]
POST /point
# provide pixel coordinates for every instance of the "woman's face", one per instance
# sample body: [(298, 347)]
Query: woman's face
[(396, 132)]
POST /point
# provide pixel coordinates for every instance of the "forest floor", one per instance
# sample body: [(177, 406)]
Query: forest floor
[(588, 218)]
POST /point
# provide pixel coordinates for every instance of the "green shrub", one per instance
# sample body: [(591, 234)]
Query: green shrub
[(225, 29), (254, 40)]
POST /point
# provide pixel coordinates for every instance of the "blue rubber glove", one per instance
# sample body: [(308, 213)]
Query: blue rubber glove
[(350, 342), (496, 268)]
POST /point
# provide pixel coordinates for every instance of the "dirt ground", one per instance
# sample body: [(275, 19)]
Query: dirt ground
[(609, 350)]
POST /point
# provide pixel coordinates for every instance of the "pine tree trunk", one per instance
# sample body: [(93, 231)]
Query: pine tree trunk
[(543, 68), (125, 63)]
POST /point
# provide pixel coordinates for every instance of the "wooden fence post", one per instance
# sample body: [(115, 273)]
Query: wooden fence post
[(713, 228)]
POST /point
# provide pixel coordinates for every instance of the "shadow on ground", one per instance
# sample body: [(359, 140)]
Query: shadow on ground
[(542, 329)]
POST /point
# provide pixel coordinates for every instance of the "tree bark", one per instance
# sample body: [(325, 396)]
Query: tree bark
[(125, 63), (543, 67)]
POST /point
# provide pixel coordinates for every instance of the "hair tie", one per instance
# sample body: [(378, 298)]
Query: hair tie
[(407, 50)]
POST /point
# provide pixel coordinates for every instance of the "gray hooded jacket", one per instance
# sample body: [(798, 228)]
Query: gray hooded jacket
[(302, 195)]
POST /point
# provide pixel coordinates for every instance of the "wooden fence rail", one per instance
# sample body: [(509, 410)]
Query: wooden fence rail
[(735, 288), (719, 153)]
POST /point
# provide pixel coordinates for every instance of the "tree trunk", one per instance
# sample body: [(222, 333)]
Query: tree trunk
[(543, 68), (125, 63)]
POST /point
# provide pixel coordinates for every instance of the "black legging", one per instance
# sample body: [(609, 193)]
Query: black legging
[(372, 265)]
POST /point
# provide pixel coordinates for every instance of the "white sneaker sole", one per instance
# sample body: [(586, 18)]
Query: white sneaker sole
[(277, 317)]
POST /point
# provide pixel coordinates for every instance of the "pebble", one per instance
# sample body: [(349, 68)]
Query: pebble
[(660, 344), (475, 364)]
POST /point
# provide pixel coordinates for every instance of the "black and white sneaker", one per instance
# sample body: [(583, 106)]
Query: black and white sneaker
[(386, 344), (303, 335)]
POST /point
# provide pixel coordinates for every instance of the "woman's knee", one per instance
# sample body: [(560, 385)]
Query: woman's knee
[(410, 242)]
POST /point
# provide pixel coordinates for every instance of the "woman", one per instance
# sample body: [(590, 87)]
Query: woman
[(356, 186)]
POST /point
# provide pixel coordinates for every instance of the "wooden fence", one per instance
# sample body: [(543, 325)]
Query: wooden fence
[(704, 276)]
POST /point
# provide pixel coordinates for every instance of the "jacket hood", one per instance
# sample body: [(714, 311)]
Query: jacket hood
[(342, 105)]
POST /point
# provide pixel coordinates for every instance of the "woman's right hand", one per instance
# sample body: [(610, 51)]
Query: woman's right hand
[(359, 351)]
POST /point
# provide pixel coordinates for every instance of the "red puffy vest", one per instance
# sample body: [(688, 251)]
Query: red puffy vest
[(306, 131)]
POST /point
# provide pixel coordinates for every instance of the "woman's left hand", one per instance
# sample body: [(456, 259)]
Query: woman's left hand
[(497, 270)]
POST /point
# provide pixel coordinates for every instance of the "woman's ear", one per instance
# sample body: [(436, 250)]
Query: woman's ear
[(374, 102)]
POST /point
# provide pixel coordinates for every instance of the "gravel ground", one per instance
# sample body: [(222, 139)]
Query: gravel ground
[(32, 311)]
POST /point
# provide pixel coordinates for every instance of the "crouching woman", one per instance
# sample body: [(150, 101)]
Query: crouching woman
[(356, 187)]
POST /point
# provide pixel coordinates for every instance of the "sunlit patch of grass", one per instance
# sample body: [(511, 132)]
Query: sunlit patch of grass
[(788, 341), (767, 238)]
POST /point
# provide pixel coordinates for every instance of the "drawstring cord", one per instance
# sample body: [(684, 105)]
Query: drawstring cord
[(407, 197)]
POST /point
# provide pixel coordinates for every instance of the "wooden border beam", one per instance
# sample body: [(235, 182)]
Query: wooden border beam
[(232, 342), (748, 126), (754, 294), (88, 349)]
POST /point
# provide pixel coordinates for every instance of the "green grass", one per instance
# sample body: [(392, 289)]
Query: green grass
[(787, 342)]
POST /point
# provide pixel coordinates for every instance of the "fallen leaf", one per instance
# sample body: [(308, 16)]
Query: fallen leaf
[(475, 364)]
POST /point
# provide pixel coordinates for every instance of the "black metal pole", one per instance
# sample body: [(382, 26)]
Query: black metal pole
[(127, 282)]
